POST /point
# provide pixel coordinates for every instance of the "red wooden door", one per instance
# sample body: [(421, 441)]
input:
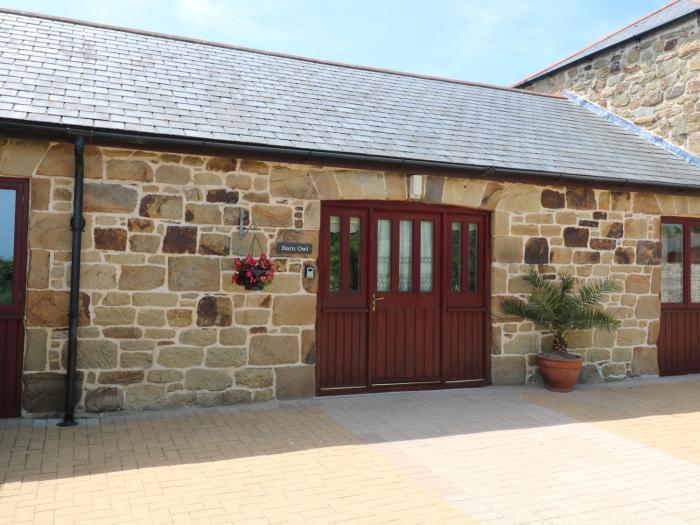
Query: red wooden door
[(402, 297), (13, 247), (679, 336)]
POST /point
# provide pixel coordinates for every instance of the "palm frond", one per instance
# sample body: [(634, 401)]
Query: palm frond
[(593, 292), (586, 318)]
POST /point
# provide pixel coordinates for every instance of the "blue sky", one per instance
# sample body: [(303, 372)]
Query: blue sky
[(479, 40)]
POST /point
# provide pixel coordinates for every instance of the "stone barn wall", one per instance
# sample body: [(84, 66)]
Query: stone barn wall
[(654, 82), (162, 325)]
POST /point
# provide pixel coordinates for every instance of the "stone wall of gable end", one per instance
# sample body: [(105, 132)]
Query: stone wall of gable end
[(653, 82), (162, 325)]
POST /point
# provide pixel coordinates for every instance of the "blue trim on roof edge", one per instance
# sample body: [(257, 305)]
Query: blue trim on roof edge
[(693, 160)]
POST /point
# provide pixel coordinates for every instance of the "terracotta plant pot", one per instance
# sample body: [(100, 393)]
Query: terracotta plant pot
[(559, 374)]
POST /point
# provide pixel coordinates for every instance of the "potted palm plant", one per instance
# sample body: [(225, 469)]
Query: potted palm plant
[(558, 309)]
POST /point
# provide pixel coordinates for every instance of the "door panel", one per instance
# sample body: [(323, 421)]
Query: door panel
[(679, 335), (405, 306), (402, 297), (13, 245)]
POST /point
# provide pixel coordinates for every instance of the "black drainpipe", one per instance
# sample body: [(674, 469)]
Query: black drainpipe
[(77, 224)]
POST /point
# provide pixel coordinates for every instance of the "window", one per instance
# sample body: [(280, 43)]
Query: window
[(7, 246), (680, 262)]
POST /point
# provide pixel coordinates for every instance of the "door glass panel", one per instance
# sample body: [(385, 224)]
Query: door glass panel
[(334, 255), (426, 256), (456, 265), (383, 255), (7, 245), (672, 263), (354, 253), (473, 256), (405, 255), (695, 263)]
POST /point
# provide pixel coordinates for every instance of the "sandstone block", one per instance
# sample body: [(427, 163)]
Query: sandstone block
[(252, 317), (638, 284), (141, 360), (143, 397), (576, 237), (136, 170), (110, 239), (254, 377), (180, 239), (203, 213), (120, 377), (98, 277), (267, 215), (273, 349), (631, 336), (36, 349), (40, 194), (537, 251), (508, 370), (559, 255), (222, 196), (552, 199), (141, 226), (50, 230), (292, 184), (521, 344), (215, 244), (161, 207), (151, 317), (22, 156), (645, 361), (114, 315), (580, 199), (225, 357), (103, 399), (612, 230), (636, 228), (144, 243), (648, 307), (170, 174), (109, 198), (649, 252), (624, 256), (50, 309), (214, 311), (603, 244), (164, 376), (586, 257), (294, 310), (235, 397), (198, 337), (233, 336), (222, 164), (179, 317), (123, 332), (203, 379), (507, 249), (141, 277), (293, 382), (193, 273), (180, 356), (308, 347)]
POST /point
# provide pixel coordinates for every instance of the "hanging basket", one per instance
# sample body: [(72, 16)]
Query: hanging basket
[(252, 273)]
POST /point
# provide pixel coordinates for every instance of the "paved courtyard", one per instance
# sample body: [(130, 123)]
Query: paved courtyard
[(619, 453)]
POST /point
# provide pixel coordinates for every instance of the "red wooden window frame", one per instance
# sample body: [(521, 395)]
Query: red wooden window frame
[(687, 224), (20, 186)]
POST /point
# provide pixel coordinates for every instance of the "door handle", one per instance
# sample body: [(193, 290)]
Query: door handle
[(374, 301)]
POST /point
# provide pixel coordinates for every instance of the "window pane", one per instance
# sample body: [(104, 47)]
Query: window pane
[(473, 256), (383, 255), (672, 263), (695, 263), (456, 266), (334, 255), (7, 245), (426, 256), (354, 253), (405, 255)]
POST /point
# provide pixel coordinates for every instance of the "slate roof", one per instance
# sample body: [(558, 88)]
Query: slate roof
[(82, 75), (664, 15)]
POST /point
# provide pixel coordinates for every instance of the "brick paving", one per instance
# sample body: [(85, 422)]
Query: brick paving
[(617, 453)]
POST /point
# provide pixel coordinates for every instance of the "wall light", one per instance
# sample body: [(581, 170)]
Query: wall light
[(416, 186)]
